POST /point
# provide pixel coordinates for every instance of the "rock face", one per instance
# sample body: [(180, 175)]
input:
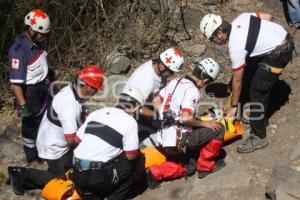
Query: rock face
[(119, 61), (211, 2), (283, 184), (295, 154), (196, 51)]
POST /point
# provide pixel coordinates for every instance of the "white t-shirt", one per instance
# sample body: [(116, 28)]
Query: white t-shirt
[(145, 78), (113, 124), (184, 99), (270, 36), (51, 139)]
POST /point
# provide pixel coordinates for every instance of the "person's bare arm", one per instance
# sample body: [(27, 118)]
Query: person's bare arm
[(237, 81), (18, 91), (265, 16), (189, 120), (146, 112), (157, 101), (131, 156)]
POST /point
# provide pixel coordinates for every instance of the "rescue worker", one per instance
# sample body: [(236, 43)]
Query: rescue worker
[(181, 132), (150, 77), (107, 157), (259, 50), (28, 70), (55, 141)]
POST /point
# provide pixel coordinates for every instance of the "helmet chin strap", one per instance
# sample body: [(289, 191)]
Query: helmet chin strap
[(161, 71), (33, 36)]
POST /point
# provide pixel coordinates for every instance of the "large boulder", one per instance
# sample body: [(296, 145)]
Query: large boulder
[(283, 184), (118, 61)]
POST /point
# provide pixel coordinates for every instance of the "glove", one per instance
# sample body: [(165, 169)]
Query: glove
[(169, 119), (25, 111)]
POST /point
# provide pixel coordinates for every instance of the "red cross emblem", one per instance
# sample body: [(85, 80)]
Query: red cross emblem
[(169, 60), (178, 52), (39, 13), (15, 63), (32, 21)]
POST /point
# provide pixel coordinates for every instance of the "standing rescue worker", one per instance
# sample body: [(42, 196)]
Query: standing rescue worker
[(181, 131), (107, 158), (55, 141), (259, 50), (28, 70)]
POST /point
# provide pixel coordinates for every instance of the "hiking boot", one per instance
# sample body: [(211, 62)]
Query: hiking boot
[(152, 183), (219, 164), (15, 174), (252, 143)]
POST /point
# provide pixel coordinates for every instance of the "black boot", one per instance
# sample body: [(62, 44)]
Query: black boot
[(219, 164), (16, 180), (152, 183)]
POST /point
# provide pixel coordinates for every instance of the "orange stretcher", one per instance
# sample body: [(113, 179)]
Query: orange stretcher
[(233, 128), (153, 156)]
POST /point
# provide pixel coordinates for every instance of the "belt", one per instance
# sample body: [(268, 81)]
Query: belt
[(87, 165), (273, 70)]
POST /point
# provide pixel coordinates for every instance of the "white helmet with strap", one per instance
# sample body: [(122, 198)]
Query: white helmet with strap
[(210, 67), (172, 58), (133, 93), (209, 24), (38, 21)]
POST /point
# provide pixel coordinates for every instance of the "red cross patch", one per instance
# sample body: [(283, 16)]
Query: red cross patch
[(15, 63), (169, 60)]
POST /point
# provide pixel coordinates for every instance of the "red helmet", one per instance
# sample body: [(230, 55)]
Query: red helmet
[(93, 76)]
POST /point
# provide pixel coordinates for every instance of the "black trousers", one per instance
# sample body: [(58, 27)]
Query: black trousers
[(37, 179), (111, 182), (261, 82), (36, 97), (259, 93)]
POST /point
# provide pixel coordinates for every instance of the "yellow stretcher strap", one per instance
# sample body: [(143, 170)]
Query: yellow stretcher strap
[(233, 129)]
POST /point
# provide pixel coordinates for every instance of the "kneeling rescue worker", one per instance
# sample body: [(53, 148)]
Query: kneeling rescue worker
[(107, 158), (181, 133), (56, 136)]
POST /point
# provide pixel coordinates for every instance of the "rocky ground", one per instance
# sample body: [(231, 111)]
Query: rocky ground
[(275, 170)]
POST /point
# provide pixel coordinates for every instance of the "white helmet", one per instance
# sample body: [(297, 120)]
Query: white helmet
[(209, 24), (38, 20), (172, 58), (134, 93), (210, 67)]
